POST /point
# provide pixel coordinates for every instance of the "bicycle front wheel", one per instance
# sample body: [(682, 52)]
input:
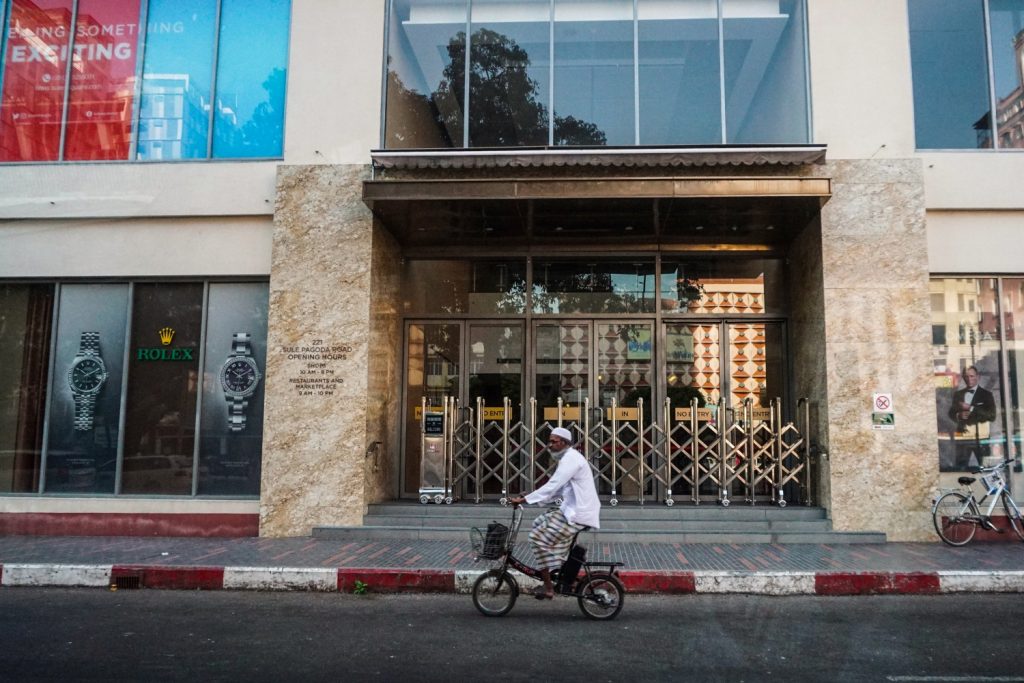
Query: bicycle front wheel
[(955, 517), (1013, 516), (601, 597), (495, 593)]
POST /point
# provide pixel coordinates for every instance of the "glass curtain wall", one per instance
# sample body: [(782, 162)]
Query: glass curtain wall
[(595, 73), (968, 69), (148, 80)]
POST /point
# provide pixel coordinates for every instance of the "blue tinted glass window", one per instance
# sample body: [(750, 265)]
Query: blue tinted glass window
[(426, 76), (593, 92), (1007, 24), (509, 84), (679, 73), (947, 52), (251, 75), (174, 117), (765, 74)]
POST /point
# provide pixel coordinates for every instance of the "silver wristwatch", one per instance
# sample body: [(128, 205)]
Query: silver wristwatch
[(239, 377), (86, 377)]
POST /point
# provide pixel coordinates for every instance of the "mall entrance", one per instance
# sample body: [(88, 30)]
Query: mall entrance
[(670, 371)]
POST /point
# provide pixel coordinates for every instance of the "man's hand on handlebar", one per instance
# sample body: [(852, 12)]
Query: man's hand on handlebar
[(516, 500)]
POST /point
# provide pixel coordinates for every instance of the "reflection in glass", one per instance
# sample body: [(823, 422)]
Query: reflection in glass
[(1012, 310), (231, 425), (253, 49), (755, 363), (26, 314), (1006, 19), (509, 88), (32, 104), (495, 373), (593, 94), (159, 434), (562, 353), (950, 69), (765, 75), (692, 365), (85, 405), (679, 73), (101, 106), (424, 100), (597, 287), (432, 372), (722, 286), (966, 356), (174, 117), (470, 287)]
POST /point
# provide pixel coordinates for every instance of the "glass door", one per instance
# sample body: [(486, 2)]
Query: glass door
[(433, 370)]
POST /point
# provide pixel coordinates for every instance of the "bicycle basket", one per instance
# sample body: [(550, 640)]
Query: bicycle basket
[(489, 543)]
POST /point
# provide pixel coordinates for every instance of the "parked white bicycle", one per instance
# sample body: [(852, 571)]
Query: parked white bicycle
[(957, 513)]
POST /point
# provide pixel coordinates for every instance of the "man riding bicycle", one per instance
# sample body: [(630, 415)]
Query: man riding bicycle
[(552, 533)]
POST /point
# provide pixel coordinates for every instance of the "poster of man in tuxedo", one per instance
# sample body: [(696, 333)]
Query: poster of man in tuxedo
[(972, 409)]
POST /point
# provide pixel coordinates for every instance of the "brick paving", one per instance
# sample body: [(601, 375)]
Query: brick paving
[(418, 554)]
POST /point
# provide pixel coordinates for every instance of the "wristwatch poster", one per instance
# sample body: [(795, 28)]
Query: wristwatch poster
[(86, 377), (239, 378)]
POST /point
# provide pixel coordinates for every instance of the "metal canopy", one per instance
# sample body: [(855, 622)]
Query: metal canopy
[(599, 211), (631, 157)]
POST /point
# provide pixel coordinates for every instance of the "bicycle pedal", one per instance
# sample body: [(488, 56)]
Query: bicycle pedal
[(987, 524)]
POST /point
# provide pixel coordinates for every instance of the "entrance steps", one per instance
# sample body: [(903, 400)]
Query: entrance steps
[(627, 522)]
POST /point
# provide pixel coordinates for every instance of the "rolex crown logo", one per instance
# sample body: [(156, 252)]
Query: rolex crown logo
[(166, 335)]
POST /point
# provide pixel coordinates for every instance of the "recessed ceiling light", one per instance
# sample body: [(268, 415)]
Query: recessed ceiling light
[(769, 227), (628, 228), (558, 228), (698, 227)]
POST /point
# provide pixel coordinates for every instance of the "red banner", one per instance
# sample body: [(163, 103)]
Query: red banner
[(104, 57), (35, 62), (99, 121)]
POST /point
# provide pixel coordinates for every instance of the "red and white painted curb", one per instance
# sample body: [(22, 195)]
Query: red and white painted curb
[(375, 580)]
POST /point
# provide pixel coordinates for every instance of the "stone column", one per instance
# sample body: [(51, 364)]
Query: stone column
[(877, 339), (315, 464)]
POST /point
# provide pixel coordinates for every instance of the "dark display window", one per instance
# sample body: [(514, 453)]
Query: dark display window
[(26, 314), (162, 388), (88, 371)]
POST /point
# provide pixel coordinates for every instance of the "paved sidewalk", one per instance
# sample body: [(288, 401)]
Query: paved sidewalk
[(396, 565)]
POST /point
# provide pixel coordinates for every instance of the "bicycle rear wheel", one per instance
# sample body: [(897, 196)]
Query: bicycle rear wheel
[(955, 518), (495, 593), (1013, 515), (601, 597)]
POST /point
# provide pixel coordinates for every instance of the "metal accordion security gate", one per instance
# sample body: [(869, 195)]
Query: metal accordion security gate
[(694, 454)]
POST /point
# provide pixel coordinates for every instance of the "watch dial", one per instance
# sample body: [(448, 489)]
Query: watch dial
[(239, 376), (87, 375)]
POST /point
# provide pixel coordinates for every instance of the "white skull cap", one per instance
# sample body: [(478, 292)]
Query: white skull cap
[(562, 433)]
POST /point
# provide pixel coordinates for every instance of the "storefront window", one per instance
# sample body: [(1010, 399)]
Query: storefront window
[(88, 372), (1013, 329), (163, 377), (967, 359), (231, 426), (717, 286), (593, 287), (174, 53), (26, 312), (464, 287)]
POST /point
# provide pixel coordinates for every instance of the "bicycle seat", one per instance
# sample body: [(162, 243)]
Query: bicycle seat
[(966, 481)]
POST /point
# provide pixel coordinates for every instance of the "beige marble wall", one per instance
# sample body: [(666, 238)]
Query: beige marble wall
[(384, 381), (315, 446), (877, 339)]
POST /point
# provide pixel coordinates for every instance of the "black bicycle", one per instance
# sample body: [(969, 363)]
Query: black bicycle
[(598, 589)]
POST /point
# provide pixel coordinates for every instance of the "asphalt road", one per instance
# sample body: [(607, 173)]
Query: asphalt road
[(148, 635)]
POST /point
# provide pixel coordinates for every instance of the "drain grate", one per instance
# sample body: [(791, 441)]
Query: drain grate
[(127, 582)]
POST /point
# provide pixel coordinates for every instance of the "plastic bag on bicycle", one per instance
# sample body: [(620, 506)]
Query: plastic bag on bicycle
[(571, 567)]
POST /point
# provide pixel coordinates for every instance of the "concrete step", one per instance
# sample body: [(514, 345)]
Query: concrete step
[(652, 512), (737, 534), (819, 525)]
